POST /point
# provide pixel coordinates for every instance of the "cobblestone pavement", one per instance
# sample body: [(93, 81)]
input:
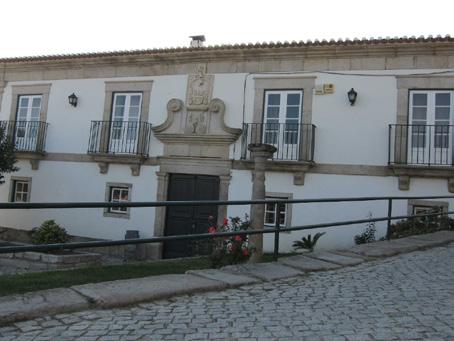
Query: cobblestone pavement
[(409, 297)]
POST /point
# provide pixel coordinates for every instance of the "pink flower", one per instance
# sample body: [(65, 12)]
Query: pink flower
[(212, 229), (226, 221)]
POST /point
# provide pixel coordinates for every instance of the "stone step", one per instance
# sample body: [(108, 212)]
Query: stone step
[(264, 271), (308, 264), (124, 292), (335, 258), (39, 303), (232, 280)]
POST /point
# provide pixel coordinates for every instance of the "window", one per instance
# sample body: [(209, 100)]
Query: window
[(279, 211), (20, 189), (428, 210), (27, 121), (282, 117), (125, 121), (431, 119), (425, 207), (118, 192)]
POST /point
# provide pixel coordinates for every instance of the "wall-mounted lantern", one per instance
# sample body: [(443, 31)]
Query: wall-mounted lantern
[(73, 99), (352, 94)]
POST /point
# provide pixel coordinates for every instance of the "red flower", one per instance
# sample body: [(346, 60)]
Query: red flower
[(245, 252), (238, 238), (226, 221), (212, 229)]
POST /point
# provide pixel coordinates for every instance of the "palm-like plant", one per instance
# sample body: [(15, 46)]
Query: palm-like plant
[(308, 243)]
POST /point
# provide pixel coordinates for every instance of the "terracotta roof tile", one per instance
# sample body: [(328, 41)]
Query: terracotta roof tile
[(265, 45)]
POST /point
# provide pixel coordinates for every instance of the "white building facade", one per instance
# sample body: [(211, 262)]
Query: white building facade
[(175, 124)]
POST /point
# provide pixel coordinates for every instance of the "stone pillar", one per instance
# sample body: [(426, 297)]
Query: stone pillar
[(223, 195), (259, 153), (160, 213)]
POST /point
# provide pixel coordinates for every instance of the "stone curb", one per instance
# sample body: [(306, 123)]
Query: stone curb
[(35, 304), (125, 292), (130, 291)]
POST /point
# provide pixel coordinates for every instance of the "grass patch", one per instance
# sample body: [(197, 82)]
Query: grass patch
[(19, 284)]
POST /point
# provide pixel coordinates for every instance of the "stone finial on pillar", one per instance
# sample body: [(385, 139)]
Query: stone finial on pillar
[(259, 154)]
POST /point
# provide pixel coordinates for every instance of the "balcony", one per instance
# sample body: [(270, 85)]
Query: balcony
[(293, 141), (29, 137), (421, 145), (122, 138)]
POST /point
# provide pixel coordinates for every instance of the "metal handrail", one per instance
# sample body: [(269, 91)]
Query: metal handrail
[(88, 204), (277, 230)]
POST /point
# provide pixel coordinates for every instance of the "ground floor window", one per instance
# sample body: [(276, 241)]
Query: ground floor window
[(20, 189), (118, 192), (416, 207), (279, 211)]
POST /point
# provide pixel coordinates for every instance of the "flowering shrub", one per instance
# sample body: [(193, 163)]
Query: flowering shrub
[(231, 249)]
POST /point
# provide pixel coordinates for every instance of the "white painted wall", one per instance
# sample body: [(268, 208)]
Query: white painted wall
[(345, 134), (79, 182), (332, 186)]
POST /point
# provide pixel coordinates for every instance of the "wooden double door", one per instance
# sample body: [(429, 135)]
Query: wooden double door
[(181, 220)]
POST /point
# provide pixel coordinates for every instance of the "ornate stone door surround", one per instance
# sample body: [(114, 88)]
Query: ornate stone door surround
[(196, 141)]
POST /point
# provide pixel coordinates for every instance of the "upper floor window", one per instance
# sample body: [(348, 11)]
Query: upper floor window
[(27, 126), (431, 119), (126, 106), (124, 130), (282, 109)]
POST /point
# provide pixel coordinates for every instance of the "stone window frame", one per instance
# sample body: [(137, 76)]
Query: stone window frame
[(13, 180), (107, 212), (288, 210), (304, 83), (30, 89), (112, 87), (405, 85), (427, 203), (262, 84)]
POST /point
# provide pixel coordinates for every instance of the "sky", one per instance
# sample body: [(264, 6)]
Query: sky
[(48, 27)]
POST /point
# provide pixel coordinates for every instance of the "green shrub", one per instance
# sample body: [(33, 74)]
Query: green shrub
[(49, 233), (368, 235), (420, 225), (307, 242)]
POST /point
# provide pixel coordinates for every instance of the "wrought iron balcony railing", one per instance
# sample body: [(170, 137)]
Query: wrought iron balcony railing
[(414, 144), (294, 141), (27, 136), (119, 137)]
